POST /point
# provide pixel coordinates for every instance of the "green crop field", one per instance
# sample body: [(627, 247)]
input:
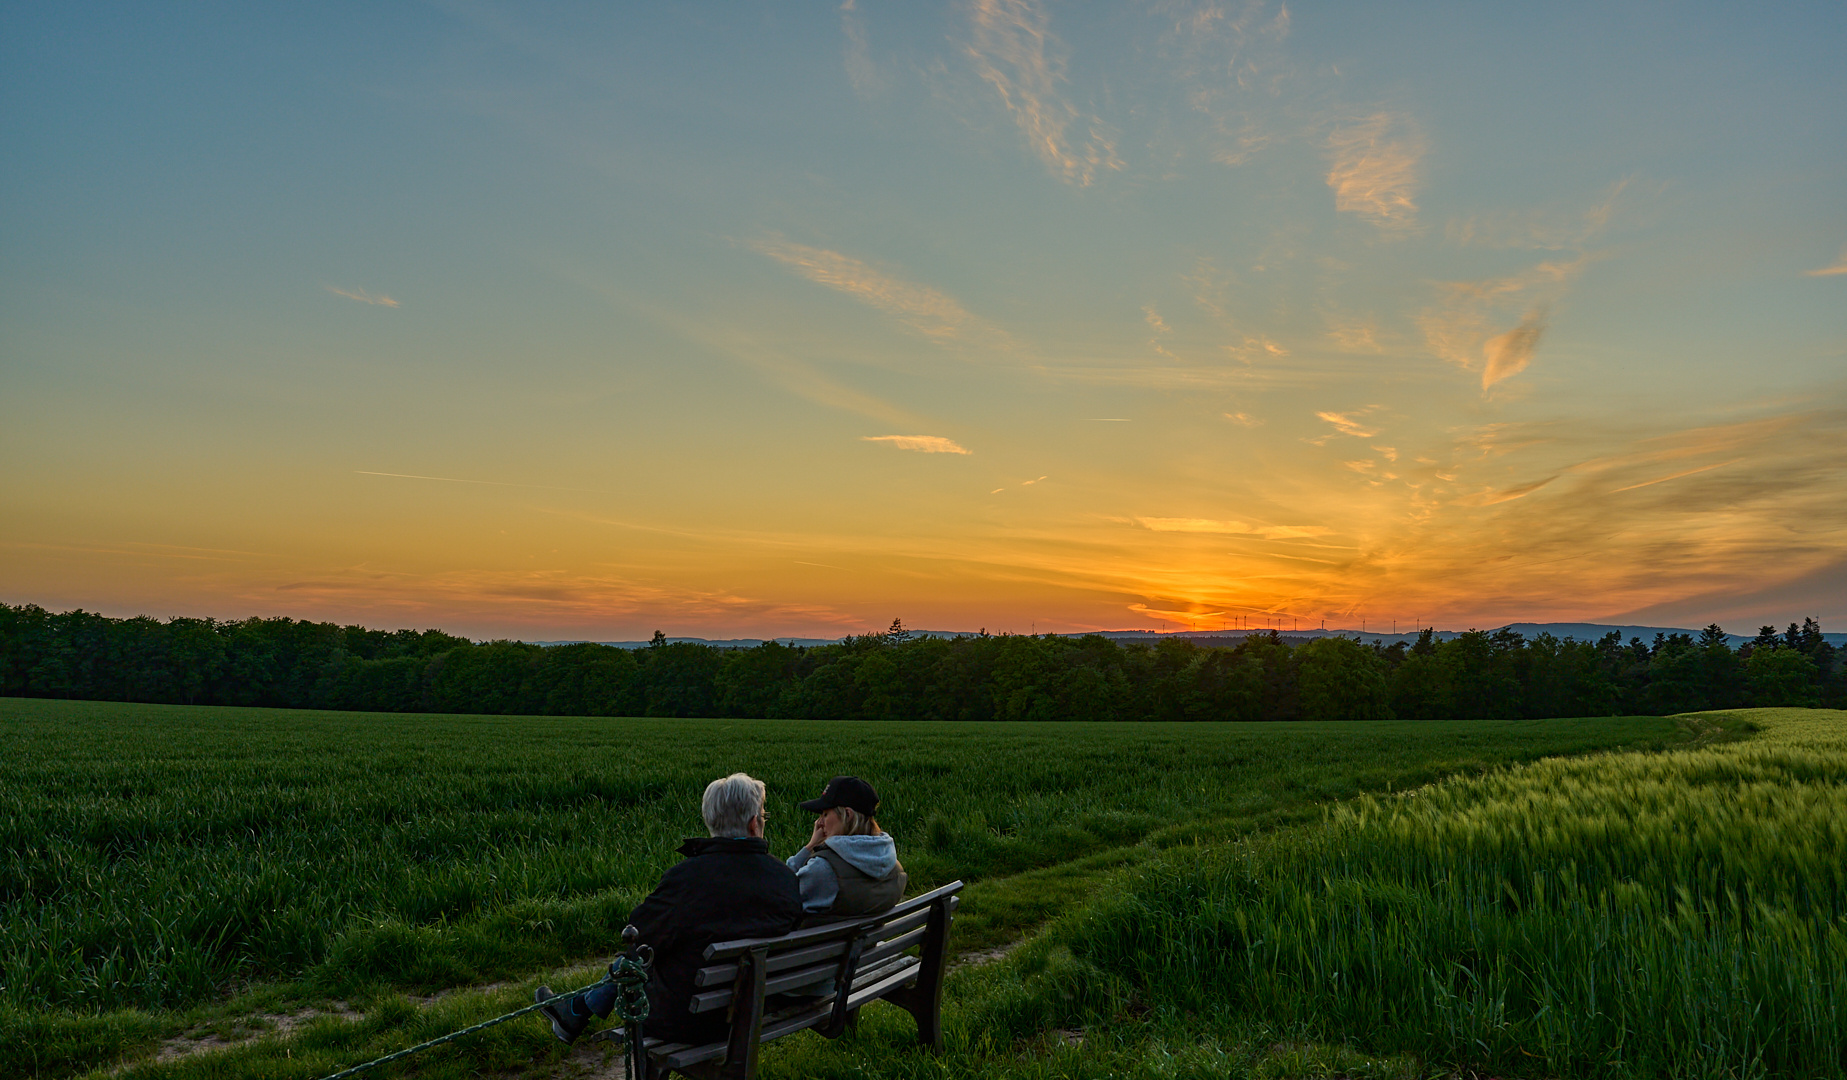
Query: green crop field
[(227, 872)]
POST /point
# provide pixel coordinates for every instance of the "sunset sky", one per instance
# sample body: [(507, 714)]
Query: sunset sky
[(554, 321)]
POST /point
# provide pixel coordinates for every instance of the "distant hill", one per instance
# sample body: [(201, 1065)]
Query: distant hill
[(1579, 631), (716, 643)]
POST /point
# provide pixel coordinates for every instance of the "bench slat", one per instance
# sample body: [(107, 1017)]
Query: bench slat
[(775, 1026), (891, 974), (872, 975), (725, 950), (893, 926), (784, 958), (789, 980), (719, 974), (885, 985), (891, 946), (809, 976), (689, 1055)]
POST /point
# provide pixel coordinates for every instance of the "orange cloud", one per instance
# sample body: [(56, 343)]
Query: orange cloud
[(1015, 52), (1354, 336), (1839, 267), (1376, 170), (364, 297), (923, 444), (1489, 498), (1676, 476), (1231, 528), (1347, 424), (1508, 354), (931, 313), (1463, 328)]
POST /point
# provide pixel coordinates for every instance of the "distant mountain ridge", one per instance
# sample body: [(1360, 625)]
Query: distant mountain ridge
[(1580, 631)]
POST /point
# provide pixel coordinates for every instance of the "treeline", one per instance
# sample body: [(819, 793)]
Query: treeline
[(285, 663)]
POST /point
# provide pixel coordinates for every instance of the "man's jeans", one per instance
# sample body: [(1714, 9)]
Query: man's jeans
[(598, 999)]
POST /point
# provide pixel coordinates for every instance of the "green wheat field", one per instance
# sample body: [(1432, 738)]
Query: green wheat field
[(227, 893)]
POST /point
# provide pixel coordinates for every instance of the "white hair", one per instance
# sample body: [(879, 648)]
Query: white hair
[(730, 803)]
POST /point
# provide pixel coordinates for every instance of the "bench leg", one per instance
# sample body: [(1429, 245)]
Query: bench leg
[(746, 1017), (924, 1000)]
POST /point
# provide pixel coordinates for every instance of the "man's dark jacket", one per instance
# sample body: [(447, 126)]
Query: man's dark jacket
[(725, 888)]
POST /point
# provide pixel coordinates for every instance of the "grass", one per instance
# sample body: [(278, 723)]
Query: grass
[(168, 867), (1663, 914)]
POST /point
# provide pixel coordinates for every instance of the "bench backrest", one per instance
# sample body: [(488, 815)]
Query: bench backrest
[(808, 957)]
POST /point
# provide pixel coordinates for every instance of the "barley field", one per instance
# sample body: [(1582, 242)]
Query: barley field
[(1665, 914)]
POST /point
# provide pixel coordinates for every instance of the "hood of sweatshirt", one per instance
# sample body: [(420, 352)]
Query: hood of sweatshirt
[(874, 856)]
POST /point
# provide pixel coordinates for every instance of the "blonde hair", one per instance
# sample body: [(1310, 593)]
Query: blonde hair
[(854, 823), (730, 803)]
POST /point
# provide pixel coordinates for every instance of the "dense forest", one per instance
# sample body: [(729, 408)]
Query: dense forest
[(900, 676)]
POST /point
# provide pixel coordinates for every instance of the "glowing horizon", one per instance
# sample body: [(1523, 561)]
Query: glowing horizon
[(582, 324)]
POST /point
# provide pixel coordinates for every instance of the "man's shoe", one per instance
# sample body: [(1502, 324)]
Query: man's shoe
[(565, 1024)]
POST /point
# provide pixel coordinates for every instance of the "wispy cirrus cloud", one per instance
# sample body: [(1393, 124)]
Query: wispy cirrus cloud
[(1518, 491), (930, 312), (923, 444), (1675, 476), (1160, 330), (1348, 423), (1508, 354), (1375, 170), (1542, 516), (1354, 335), (1230, 528), (1210, 286), (364, 297), (1014, 51), (861, 72), (1839, 267), (799, 374), (1466, 326), (1229, 63), (1547, 228), (549, 599), (1260, 347)]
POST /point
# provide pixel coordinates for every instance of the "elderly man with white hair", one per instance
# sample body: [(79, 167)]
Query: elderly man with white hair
[(728, 886)]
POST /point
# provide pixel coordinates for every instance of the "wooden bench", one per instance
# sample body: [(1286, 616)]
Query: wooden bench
[(867, 959)]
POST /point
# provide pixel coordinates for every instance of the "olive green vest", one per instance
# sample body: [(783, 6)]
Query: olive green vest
[(860, 893)]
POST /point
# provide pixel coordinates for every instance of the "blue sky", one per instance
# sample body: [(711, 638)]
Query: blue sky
[(547, 321)]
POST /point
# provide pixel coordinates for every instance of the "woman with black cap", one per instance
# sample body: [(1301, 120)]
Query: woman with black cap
[(849, 865)]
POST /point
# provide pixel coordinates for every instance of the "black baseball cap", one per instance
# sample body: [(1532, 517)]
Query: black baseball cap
[(848, 791)]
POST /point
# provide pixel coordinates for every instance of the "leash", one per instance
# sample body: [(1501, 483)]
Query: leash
[(629, 973)]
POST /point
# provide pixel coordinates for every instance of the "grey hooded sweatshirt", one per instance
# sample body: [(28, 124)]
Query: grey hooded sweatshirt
[(874, 856)]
